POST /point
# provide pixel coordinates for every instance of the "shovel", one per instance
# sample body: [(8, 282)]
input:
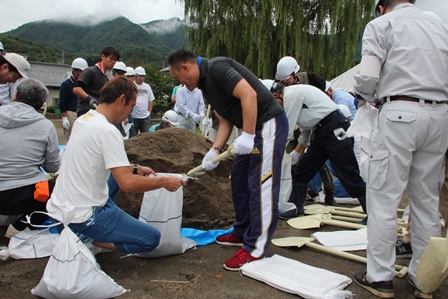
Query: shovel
[(300, 241), (357, 209), (197, 171), (207, 115), (432, 269), (320, 209), (315, 221)]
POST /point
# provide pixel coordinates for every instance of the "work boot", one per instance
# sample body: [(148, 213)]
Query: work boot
[(299, 191), (329, 199)]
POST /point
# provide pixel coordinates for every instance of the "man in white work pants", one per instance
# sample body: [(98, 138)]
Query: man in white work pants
[(407, 150)]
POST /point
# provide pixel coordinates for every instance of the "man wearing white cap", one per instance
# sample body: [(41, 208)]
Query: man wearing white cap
[(13, 67), (341, 97), (288, 73)]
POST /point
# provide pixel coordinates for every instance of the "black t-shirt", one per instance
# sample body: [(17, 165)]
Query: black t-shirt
[(91, 80), (218, 78)]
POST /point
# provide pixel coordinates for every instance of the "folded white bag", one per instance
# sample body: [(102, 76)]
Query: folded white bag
[(345, 240), (30, 244), (297, 278)]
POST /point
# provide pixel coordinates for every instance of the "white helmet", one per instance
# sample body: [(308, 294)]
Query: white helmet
[(130, 71), (1, 47), (268, 83), (171, 117), (286, 67), (140, 71), (80, 64), (433, 15), (119, 66), (344, 109)]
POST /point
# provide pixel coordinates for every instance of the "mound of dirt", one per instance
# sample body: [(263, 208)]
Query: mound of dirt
[(207, 200)]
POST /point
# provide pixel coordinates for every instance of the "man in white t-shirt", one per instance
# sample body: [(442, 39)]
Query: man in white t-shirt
[(142, 110), (95, 151)]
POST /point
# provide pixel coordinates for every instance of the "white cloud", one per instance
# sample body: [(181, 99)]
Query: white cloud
[(19, 12)]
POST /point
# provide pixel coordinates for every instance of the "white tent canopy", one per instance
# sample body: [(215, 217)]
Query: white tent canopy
[(345, 81)]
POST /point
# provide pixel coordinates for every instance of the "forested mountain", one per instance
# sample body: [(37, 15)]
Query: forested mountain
[(135, 44)]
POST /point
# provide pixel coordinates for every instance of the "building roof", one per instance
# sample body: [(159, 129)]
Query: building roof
[(51, 74)]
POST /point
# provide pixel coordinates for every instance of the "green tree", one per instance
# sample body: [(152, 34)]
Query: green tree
[(322, 35)]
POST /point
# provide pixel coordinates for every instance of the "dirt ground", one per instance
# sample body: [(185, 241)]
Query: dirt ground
[(197, 273)]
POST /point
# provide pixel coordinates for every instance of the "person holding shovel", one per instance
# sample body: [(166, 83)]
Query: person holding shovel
[(96, 150), (239, 98), (410, 140)]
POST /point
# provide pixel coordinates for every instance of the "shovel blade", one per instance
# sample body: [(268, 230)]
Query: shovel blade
[(291, 241), (432, 269), (306, 222)]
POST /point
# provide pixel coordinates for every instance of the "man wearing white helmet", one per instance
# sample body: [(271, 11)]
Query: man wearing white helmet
[(68, 101), (404, 60), (169, 119), (141, 114), (119, 69), (130, 73), (288, 73)]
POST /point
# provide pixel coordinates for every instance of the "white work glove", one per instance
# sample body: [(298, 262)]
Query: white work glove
[(65, 123), (202, 115), (244, 144), (197, 118), (294, 157), (210, 155), (206, 122)]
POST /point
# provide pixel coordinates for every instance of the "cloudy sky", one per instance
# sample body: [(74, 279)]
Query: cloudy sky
[(18, 12)]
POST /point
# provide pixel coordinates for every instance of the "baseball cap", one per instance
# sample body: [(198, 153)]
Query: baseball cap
[(19, 63)]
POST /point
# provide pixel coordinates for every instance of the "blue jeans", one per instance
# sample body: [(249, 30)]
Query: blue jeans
[(110, 224)]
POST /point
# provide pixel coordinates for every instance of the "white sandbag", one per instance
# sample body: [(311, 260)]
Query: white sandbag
[(297, 278), (163, 210), (285, 185), (72, 271), (345, 240), (30, 244)]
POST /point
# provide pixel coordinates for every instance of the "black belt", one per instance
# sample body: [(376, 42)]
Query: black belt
[(412, 99), (328, 118)]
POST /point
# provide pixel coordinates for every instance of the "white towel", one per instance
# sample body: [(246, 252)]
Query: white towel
[(297, 278), (345, 240)]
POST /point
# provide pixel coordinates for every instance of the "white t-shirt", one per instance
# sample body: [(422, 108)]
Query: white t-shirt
[(144, 96), (95, 146)]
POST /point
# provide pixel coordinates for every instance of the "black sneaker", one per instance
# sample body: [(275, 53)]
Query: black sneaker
[(381, 289), (403, 250), (419, 293)]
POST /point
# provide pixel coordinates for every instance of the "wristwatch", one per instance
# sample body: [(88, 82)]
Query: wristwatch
[(135, 169)]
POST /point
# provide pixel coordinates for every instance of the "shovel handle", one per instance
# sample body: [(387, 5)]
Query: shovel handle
[(349, 214), (401, 270), (229, 152), (343, 224)]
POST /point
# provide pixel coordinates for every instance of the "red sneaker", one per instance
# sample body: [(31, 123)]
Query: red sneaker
[(239, 259), (229, 240)]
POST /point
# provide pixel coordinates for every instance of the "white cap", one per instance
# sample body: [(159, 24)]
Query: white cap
[(140, 71), (79, 63), (119, 66), (344, 109), (268, 83), (1, 47), (286, 67), (130, 71), (19, 63), (171, 117), (327, 86)]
